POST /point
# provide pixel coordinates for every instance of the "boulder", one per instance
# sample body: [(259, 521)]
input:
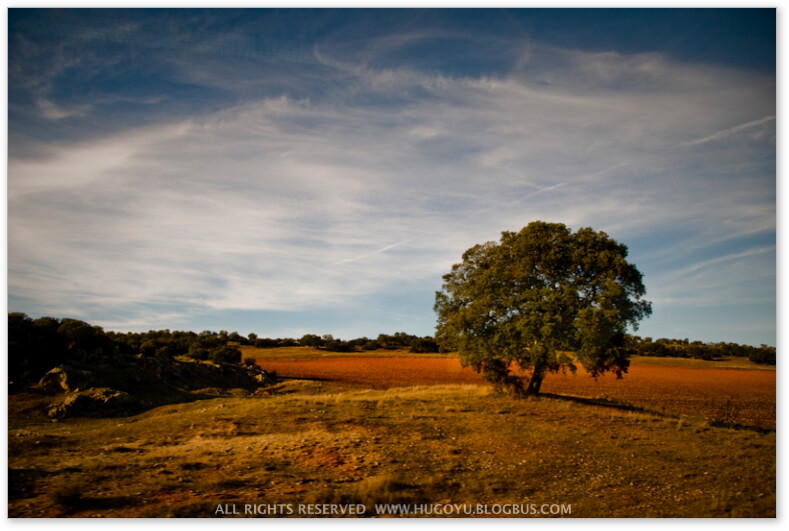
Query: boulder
[(97, 402), (65, 378)]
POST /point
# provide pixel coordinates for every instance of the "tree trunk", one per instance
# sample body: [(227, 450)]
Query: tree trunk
[(535, 382)]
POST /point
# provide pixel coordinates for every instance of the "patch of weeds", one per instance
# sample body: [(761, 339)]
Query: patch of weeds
[(382, 489), (386, 488), (229, 483), (22, 482), (169, 486), (191, 466), (327, 494), (67, 495), (195, 509), (124, 449), (725, 413), (436, 486), (703, 426)]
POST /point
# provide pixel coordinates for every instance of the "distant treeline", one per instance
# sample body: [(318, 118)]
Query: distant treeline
[(399, 340), (683, 348), (37, 345)]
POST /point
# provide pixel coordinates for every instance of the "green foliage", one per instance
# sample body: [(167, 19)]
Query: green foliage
[(764, 355), (311, 340), (36, 346), (536, 296), (159, 343), (335, 345), (683, 348), (396, 340), (235, 337), (371, 345), (198, 352), (225, 354), (33, 348), (265, 342), (358, 342), (148, 347), (423, 345)]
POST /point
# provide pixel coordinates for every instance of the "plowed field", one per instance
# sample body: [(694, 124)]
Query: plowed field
[(726, 395)]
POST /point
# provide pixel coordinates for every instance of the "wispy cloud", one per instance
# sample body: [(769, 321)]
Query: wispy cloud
[(730, 131), (285, 196), (368, 255)]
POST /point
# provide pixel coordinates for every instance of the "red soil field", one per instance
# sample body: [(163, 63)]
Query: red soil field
[(728, 395)]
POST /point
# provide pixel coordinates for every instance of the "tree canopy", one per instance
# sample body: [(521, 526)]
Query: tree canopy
[(539, 301)]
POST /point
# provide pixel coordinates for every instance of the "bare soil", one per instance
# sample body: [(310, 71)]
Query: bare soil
[(727, 396), (411, 430)]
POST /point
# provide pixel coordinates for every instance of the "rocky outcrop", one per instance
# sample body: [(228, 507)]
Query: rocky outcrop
[(65, 378), (97, 402), (191, 375), (128, 387)]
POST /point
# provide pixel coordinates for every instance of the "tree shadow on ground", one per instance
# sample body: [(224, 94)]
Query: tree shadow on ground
[(621, 406)]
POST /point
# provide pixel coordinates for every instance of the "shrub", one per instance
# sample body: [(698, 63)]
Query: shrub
[(764, 355), (311, 340), (423, 345), (67, 495), (225, 354), (338, 346), (198, 352)]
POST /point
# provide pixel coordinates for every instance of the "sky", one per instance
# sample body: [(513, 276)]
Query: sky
[(317, 171)]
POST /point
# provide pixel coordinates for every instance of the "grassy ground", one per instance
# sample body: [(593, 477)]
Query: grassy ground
[(724, 396), (722, 363), (311, 442)]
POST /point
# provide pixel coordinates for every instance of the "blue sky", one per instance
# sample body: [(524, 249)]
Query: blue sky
[(293, 171)]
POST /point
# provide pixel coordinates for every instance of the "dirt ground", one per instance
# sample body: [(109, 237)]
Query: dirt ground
[(728, 396), (309, 444), (664, 441)]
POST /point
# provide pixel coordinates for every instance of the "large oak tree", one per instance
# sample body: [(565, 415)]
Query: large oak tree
[(539, 301)]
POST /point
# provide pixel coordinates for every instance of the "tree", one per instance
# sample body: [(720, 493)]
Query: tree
[(338, 345), (235, 337), (225, 354), (311, 340), (530, 301), (423, 345)]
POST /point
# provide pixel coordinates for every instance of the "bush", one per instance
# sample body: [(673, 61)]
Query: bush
[(225, 354), (311, 340), (67, 495), (338, 346), (265, 342), (423, 345), (764, 355), (198, 352)]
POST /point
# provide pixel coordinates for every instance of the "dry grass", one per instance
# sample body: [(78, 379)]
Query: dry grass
[(313, 442), (722, 363), (721, 395), (748, 396)]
